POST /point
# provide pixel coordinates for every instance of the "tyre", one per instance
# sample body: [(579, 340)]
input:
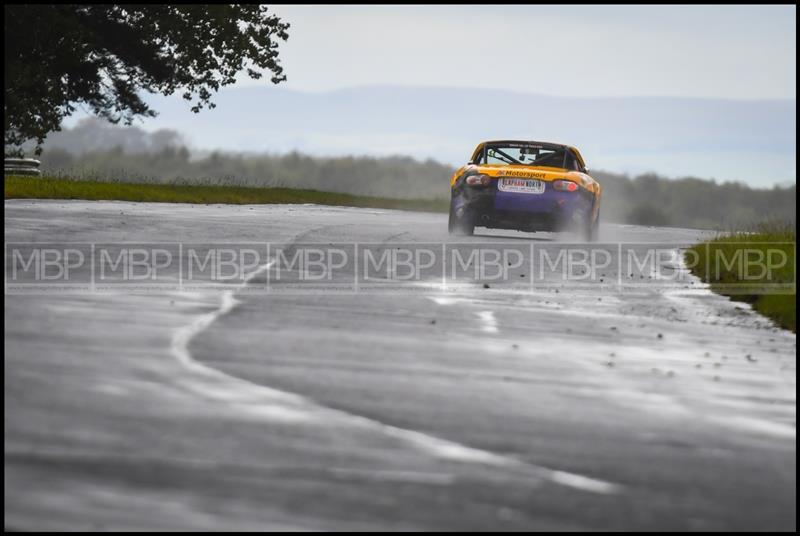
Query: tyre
[(464, 226), (591, 229)]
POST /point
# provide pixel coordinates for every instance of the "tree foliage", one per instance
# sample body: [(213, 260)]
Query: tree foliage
[(104, 57), (93, 149)]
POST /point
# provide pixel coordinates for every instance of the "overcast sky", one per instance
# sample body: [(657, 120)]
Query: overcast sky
[(720, 52), (739, 52)]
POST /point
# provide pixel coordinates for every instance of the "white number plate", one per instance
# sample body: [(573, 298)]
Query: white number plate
[(522, 186)]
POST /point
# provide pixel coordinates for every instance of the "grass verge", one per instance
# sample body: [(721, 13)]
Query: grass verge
[(21, 187), (757, 268)]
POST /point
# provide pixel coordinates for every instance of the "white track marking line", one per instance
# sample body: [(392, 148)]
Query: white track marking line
[(584, 483), (444, 301), (761, 426), (258, 399), (489, 322), (381, 475), (275, 404)]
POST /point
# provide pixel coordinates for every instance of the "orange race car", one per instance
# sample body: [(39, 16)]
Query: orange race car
[(526, 186)]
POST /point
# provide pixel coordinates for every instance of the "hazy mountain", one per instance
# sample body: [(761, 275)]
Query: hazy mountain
[(748, 141)]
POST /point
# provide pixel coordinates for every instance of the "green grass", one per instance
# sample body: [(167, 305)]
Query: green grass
[(772, 293), (21, 187)]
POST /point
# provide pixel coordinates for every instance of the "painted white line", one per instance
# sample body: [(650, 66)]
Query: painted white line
[(761, 426), (488, 321), (444, 301), (273, 404), (584, 483), (256, 400), (383, 475)]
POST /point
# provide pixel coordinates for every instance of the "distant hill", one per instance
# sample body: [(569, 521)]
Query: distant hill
[(749, 141)]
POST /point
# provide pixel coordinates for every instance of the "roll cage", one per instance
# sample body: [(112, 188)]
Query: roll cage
[(559, 156)]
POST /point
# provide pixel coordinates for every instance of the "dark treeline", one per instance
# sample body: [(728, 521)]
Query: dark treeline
[(94, 150)]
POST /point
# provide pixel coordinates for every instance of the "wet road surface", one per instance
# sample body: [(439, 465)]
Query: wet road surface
[(622, 401)]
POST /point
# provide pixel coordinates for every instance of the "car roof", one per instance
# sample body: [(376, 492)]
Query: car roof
[(525, 142), (548, 144)]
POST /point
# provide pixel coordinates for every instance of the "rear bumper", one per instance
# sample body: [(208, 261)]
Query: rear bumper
[(549, 211)]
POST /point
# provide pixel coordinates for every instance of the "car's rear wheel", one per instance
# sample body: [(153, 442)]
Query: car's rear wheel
[(461, 224), (591, 228)]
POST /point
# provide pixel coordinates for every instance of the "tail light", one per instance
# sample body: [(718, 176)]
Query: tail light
[(478, 180), (565, 186)]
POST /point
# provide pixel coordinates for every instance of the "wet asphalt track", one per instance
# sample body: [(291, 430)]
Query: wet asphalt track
[(432, 408)]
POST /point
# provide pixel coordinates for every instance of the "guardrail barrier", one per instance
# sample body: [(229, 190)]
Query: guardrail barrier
[(22, 166)]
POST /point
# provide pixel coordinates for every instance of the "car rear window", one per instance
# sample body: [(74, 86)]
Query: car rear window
[(529, 155)]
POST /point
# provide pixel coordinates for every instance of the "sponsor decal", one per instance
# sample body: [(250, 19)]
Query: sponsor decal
[(523, 146), (523, 174), (525, 186)]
